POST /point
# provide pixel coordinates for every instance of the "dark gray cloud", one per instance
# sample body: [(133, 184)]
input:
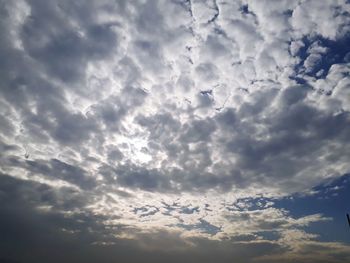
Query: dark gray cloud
[(71, 238), (139, 177), (51, 38)]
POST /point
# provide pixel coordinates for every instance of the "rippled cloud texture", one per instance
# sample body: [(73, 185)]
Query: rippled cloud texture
[(174, 131)]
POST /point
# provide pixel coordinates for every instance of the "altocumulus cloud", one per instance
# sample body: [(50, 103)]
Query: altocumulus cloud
[(192, 131)]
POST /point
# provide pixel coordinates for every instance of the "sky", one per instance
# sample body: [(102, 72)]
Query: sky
[(174, 131)]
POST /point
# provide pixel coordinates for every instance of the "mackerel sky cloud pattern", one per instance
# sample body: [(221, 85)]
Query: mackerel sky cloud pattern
[(174, 131)]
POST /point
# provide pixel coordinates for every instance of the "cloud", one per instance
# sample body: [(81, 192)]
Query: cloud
[(123, 125)]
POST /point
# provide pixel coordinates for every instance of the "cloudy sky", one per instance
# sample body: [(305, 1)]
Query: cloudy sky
[(174, 131)]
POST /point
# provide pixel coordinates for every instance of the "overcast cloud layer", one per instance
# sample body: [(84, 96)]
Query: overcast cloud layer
[(172, 131)]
